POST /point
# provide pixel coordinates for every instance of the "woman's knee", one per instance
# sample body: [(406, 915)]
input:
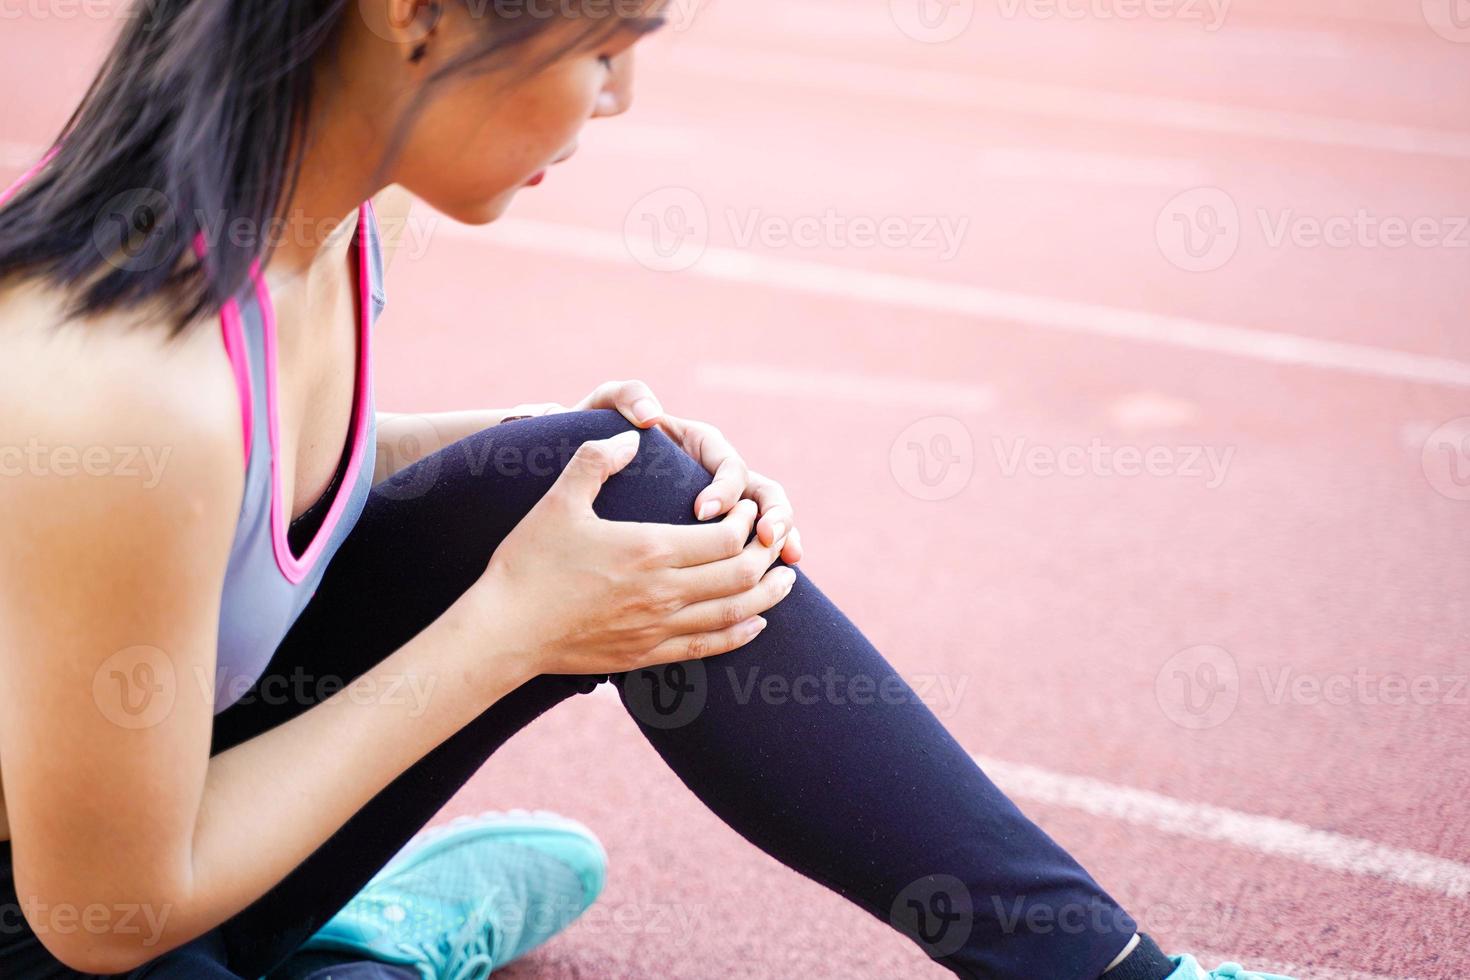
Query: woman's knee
[(657, 486)]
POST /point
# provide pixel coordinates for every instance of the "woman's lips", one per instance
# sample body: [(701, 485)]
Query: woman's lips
[(538, 178)]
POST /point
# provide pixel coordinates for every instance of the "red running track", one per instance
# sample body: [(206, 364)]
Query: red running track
[(1150, 472)]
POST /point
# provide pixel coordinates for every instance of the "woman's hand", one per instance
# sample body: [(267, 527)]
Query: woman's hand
[(570, 593), (733, 480)]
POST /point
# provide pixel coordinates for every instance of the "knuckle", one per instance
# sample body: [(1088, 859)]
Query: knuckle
[(653, 550), (749, 574), (700, 645), (734, 542), (592, 453), (731, 612)]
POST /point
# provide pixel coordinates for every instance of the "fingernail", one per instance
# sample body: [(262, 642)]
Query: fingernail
[(626, 444), (759, 625), (778, 531), (645, 409), (790, 577), (709, 509)]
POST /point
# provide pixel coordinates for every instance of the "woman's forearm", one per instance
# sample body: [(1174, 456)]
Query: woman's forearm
[(405, 438), (269, 802)]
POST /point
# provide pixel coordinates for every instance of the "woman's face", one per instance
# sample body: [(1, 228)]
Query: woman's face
[(484, 137)]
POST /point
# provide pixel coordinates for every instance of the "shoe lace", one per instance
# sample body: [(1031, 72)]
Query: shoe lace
[(463, 954)]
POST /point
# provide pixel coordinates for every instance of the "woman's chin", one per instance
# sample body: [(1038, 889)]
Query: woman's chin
[(485, 211)]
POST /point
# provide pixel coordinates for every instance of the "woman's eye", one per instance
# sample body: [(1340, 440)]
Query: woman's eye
[(606, 61)]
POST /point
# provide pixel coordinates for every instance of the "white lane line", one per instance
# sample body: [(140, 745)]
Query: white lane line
[(869, 389), (979, 302), (1071, 102), (1203, 821)]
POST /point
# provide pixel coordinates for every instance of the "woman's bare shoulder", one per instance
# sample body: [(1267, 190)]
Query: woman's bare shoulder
[(107, 395)]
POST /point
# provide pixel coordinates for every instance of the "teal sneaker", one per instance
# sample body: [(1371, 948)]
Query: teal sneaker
[(461, 900), (1188, 968)]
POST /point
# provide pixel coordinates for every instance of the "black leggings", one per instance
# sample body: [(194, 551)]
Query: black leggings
[(864, 791)]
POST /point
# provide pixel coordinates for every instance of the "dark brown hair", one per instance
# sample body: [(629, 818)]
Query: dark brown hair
[(192, 124)]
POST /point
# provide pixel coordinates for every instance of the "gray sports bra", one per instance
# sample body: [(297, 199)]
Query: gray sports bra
[(266, 585)]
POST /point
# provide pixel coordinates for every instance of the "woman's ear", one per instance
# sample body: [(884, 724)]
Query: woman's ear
[(401, 22)]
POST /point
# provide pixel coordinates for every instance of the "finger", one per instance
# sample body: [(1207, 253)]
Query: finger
[(634, 399), (700, 645), (792, 552), (709, 446), (590, 467), (686, 545), (777, 518), (716, 614), (727, 577)]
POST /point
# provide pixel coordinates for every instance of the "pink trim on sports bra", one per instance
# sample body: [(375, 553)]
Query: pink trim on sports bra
[(296, 569), (234, 337)]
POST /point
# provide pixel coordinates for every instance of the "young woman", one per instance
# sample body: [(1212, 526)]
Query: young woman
[(197, 266)]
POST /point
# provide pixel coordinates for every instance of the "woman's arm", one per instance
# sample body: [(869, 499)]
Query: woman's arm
[(404, 439), (109, 599)]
